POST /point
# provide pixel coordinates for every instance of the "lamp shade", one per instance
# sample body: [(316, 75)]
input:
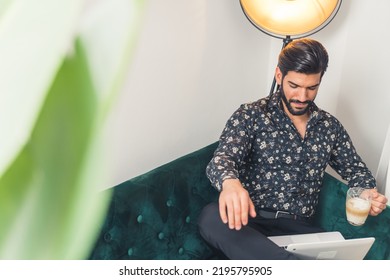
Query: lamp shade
[(293, 18)]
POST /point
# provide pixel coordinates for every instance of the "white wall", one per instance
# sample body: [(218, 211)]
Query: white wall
[(196, 61), (364, 100)]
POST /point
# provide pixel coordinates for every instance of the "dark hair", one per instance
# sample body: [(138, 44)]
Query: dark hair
[(305, 56)]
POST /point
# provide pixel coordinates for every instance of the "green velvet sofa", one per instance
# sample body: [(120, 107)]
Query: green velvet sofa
[(154, 216)]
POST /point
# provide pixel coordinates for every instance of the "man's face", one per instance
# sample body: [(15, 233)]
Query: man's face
[(298, 90)]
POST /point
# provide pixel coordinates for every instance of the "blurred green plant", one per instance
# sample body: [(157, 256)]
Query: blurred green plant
[(61, 65)]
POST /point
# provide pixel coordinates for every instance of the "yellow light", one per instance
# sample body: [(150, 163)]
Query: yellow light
[(294, 18)]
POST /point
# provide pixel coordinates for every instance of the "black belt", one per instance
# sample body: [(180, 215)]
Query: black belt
[(267, 214)]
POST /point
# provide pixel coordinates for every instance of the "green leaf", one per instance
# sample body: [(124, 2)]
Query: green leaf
[(51, 164), (34, 39), (49, 196)]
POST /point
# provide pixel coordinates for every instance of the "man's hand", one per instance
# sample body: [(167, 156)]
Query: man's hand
[(235, 204), (378, 202)]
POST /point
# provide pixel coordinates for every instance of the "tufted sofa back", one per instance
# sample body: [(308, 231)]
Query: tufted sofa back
[(154, 216)]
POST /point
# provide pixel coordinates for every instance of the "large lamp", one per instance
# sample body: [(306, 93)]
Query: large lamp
[(290, 19)]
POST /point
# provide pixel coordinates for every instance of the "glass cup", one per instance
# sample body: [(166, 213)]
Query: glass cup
[(358, 205)]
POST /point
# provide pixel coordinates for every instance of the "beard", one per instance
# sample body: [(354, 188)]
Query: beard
[(291, 109)]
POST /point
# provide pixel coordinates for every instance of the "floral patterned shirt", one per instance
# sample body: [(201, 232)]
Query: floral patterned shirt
[(261, 147)]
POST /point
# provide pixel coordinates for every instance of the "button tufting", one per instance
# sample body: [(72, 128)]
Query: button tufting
[(130, 252), (181, 251), (139, 219), (107, 237), (161, 235), (169, 203), (188, 219)]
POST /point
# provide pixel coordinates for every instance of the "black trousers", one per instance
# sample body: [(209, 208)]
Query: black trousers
[(250, 242)]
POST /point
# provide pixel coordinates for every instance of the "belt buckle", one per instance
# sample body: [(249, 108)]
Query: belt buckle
[(285, 213)]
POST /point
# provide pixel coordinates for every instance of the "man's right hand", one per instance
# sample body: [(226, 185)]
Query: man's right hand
[(235, 204)]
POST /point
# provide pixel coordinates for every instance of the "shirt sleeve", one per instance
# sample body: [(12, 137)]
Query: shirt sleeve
[(348, 164), (234, 144)]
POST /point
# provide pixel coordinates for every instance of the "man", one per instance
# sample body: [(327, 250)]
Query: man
[(271, 160)]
